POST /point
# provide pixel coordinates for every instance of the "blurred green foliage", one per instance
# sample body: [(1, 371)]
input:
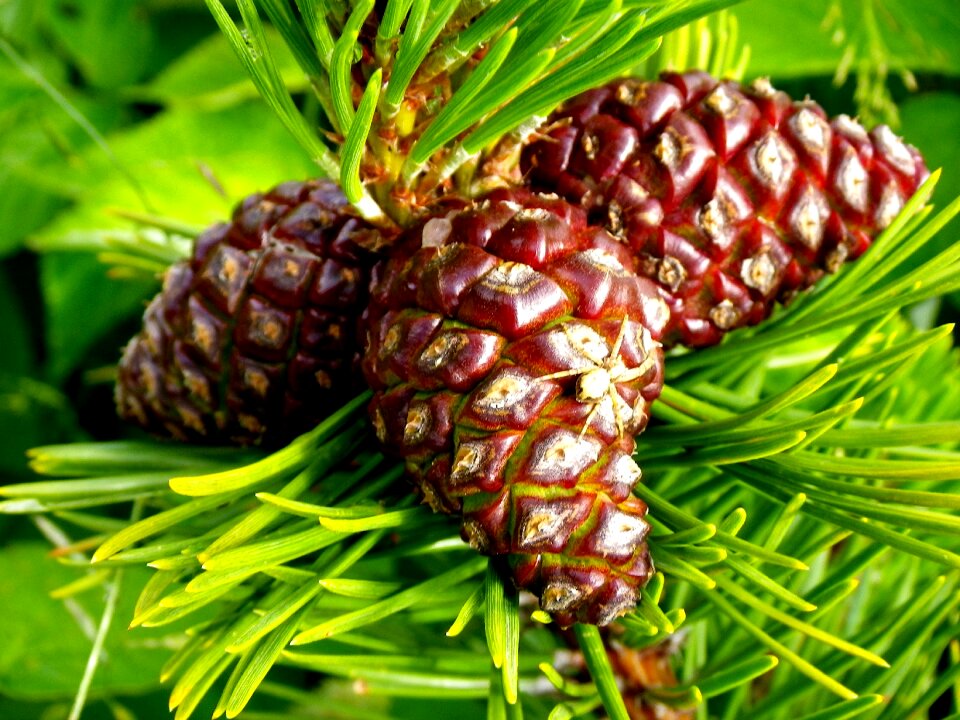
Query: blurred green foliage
[(47, 647), (189, 137)]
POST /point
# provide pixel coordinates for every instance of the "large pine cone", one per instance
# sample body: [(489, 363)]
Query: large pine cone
[(514, 357), (730, 197), (254, 338)]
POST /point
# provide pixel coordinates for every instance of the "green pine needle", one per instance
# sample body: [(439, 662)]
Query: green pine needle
[(384, 608), (300, 451), (495, 615), (598, 663), (469, 610), (354, 147)]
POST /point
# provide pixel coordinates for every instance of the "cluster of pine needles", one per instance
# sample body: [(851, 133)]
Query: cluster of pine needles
[(802, 480), (799, 481)]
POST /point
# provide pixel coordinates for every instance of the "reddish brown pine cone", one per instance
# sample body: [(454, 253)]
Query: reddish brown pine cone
[(254, 338), (513, 358), (730, 197), (640, 671), (637, 671)]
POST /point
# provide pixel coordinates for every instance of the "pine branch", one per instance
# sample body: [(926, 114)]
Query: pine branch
[(553, 56), (786, 464)]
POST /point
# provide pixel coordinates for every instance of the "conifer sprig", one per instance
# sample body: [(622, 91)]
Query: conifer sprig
[(536, 56), (788, 466), (717, 559)]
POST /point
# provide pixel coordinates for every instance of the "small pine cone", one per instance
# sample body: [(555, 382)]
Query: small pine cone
[(637, 671), (730, 197), (513, 357), (254, 338)]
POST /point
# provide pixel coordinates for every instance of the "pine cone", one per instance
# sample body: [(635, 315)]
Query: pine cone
[(730, 197), (514, 358), (254, 338), (637, 671)]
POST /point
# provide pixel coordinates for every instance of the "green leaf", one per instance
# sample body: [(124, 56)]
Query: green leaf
[(753, 575), (886, 469), (413, 48), (81, 488), (470, 608), (175, 156), (740, 452), (511, 645), (870, 435), (283, 609), (293, 457), (253, 51), (942, 685), (650, 611), (46, 642), (153, 525), (691, 536), (678, 517), (919, 35), (296, 37), (397, 518), (847, 521), (255, 521), (263, 554), (452, 118), (793, 395), (807, 629), (286, 606), (314, 18), (782, 650), (550, 92), (424, 685), (197, 679), (72, 329), (95, 460), (207, 77), (390, 21), (341, 83), (455, 52), (256, 668), (107, 59), (365, 589)]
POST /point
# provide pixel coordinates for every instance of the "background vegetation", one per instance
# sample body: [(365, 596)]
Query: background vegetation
[(116, 107)]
